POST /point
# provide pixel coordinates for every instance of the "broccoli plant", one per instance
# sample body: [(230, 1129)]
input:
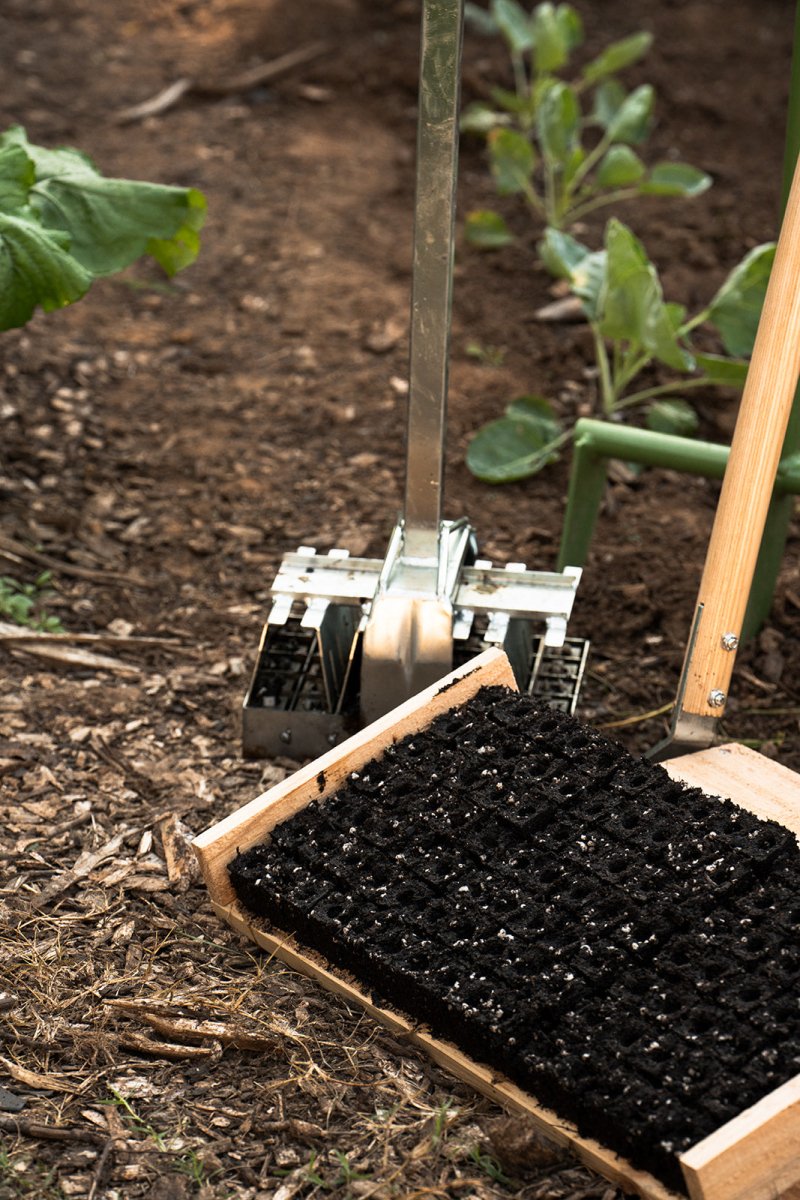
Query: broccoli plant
[(565, 147), (633, 329), (63, 224)]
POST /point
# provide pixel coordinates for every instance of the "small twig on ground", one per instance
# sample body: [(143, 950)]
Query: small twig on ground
[(20, 633), (170, 1024), (53, 1133), (20, 551), (142, 1044), (253, 77), (637, 718), (74, 657), (84, 865), (101, 1169)]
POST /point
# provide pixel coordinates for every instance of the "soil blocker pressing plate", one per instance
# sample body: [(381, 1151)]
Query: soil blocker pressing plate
[(568, 928)]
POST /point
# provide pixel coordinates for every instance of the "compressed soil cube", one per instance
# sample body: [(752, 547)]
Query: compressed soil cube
[(621, 945)]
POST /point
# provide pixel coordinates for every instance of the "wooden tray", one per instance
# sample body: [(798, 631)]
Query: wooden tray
[(755, 1156)]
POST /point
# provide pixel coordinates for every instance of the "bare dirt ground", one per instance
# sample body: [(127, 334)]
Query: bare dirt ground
[(163, 444)]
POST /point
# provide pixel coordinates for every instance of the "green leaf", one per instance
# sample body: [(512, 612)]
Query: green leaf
[(588, 282), (514, 24), (175, 253), (16, 177), (672, 415), (676, 314), (487, 230), (561, 253), (35, 269), (558, 122), (556, 30), (571, 25), (631, 302), (736, 308), (538, 412), (608, 100), (480, 118), (480, 20), (619, 167), (509, 449), (724, 372), (617, 56), (567, 259), (112, 222), (510, 101), (675, 179), (571, 165), (632, 120), (512, 159)]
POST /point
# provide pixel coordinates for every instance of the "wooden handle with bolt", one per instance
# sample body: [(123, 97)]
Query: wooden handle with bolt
[(749, 477)]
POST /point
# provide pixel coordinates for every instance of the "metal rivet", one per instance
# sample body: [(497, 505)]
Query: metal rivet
[(286, 736), (729, 641), (716, 698)]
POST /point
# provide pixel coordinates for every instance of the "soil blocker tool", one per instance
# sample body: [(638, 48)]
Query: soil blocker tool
[(744, 500), (347, 639)]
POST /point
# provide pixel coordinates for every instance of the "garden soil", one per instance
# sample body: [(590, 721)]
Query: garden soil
[(163, 443)]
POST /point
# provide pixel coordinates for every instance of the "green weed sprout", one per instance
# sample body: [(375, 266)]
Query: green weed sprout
[(633, 328), (22, 603), (565, 147)]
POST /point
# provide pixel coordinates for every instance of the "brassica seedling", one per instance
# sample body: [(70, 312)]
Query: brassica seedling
[(633, 328), (63, 224), (565, 147)]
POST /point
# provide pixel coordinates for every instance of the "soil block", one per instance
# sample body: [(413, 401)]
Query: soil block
[(620, 945)]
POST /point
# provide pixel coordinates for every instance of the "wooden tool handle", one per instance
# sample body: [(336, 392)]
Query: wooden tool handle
[(749, 477)]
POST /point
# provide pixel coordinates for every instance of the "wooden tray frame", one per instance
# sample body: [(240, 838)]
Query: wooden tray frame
[(755, 1156)]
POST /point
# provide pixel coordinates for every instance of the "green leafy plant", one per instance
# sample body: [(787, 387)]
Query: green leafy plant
[(565, 147), (346, 1173), (489, 1165), (633, 329), (22, 603), (132, 1119), (63, 224)]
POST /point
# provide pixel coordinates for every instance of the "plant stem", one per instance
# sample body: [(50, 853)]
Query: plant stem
[(601, 201), (534, 201), (663, 389), (552, 214), (521, 85), (607, 393), (591, 159), (632, 364), (688, 326)]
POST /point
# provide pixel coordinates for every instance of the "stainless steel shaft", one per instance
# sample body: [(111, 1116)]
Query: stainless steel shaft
[(432, 287)]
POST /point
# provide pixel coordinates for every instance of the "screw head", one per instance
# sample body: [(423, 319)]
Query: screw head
[(729, 641), (716, 698)]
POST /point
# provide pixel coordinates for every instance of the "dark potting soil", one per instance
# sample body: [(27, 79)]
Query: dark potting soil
[(621, 945)]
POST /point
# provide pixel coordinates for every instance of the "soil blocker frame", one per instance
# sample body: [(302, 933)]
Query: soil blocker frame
[(347, 639), (755, 1156)]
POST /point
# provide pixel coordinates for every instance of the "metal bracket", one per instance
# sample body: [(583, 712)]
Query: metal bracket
[(688, 731)]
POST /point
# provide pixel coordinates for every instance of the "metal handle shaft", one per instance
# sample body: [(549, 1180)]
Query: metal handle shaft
[(432, 287)]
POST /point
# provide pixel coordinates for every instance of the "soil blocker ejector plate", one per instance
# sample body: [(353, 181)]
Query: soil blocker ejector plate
[(304, 692), (608, 890)]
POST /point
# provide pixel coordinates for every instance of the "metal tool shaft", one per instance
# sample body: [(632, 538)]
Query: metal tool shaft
[(432, 287)]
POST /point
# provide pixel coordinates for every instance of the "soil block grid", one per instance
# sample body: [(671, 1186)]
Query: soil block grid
[(622, 946)]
